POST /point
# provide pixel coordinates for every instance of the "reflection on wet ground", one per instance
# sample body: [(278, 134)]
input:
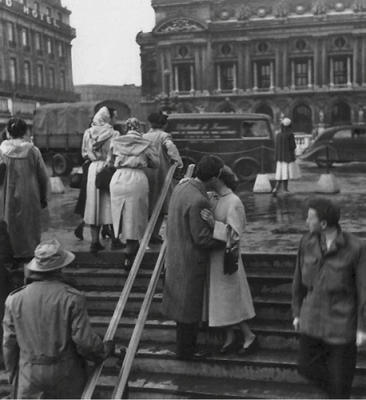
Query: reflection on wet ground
[(275, 224)]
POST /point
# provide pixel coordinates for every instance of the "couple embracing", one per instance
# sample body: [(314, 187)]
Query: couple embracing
[(199, 229)]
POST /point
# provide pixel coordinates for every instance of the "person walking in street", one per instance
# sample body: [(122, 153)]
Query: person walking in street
[(168, 154), (329, 300), (130, 155), (285, 146), (47, 332), (23, 192), (189, 240), (96, 143), (229, 300)]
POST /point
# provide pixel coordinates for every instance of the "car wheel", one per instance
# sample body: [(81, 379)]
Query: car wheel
[(246, 169), (61, 164)]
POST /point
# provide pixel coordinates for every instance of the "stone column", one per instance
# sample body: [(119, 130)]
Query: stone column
[(240, 67), (218, 71), (235, 79), (248, 84), (176, 80), (284, 66), (163, 80), (324, 63), (349, 72), (271, 66), (255, 76), (292, 75), (310, 73), (331, 73), (316, 63), (363, 61), (277, 82), (192, 77), (355, 62)]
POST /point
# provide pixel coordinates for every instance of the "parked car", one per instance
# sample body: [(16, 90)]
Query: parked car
[(339, 144)]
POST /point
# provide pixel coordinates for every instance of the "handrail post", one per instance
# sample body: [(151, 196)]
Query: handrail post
[(117, 314)]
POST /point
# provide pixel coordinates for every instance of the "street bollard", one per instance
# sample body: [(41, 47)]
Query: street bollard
[(262, 183), (327, 182), (57, 187)]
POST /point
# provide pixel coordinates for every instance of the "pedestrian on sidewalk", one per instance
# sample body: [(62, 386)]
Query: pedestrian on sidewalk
[(329, 300), (229, 300), (286, 167), (168, 154), (190, 239), (24, 189), (96, 143), (130, 155), (47, 332)]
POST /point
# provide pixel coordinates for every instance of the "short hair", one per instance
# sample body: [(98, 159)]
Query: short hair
[(229, 178), (326, 210), (17, 127), (112, 111), (209, 167)]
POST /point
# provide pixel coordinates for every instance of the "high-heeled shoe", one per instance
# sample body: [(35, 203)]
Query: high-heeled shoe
[(127, 264), (79, 230), (106, 232), (250, 348), (95, 247), (231, 347)]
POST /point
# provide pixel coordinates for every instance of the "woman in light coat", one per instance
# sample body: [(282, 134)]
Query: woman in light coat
[(24, 191), (96, 143), (129, 187), (230, 302)]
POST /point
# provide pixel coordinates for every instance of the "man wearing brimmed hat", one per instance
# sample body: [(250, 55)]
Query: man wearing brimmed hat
[(47, 333), (168, 154)]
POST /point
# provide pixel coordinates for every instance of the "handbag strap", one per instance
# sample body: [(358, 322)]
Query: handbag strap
[(228, 239)]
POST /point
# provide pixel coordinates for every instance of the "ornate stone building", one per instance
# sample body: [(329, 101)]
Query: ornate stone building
[(35, 56), (302, 58)]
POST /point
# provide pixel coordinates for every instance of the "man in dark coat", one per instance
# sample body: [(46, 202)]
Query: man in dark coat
[(189, 240), (47, 333)]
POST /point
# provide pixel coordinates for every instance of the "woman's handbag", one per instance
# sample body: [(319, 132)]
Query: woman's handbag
[(231, 258), (75, 180), (104, 177)]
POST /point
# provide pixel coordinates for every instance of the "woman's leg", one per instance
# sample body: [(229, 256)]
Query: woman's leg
[(79, 230), (276, 188), (132, 247), (249, 336), (285, 186), (95, 244)]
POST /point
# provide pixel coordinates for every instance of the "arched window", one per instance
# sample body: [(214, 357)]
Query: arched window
[(265, 109), (341, 113), (302, 119)]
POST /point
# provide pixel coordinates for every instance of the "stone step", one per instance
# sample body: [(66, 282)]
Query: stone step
[(103, 303), (273, 335), (174, 386), (113, 279)]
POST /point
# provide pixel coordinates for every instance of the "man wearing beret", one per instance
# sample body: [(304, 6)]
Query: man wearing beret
[(47, 333), (168, 154)]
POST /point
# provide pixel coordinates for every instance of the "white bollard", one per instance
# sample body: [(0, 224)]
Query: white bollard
[(327, 184), (262, 184), (56, 185)]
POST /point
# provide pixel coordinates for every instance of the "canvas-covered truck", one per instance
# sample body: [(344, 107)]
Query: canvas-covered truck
[(58, 130)]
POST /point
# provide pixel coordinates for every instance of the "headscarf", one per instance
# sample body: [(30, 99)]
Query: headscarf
[(102, 117), (133, 124)]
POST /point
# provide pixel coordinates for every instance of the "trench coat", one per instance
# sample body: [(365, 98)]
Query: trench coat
[(189, 240), (285, 146), (24, 190), (47, 338), (168, 154)]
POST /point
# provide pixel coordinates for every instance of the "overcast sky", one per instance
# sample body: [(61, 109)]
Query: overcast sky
[(105, 50)]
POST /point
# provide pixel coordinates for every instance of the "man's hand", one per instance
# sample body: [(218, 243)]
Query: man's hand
[(207, 216), (296, 323), (360, 338)]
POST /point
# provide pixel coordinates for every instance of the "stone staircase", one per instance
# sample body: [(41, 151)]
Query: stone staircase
[(269, 373)]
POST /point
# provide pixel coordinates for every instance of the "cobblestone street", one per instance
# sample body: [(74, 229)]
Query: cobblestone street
[(275, 224)]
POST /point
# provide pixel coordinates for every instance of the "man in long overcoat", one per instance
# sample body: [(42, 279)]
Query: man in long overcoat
[(168, 154), (47, 333), (189, 240)]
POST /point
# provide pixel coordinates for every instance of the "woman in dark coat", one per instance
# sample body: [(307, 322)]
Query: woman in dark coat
[(285, 156)]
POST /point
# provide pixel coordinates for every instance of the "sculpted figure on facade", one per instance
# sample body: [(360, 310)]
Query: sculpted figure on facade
[(245, 13), (319, 7), (359, 5), (180, 25), (282, 9)]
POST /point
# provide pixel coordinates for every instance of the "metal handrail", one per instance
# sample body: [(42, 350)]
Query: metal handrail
[(117, 314), (140, 323)]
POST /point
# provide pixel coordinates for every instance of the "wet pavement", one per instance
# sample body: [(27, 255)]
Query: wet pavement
[(275, 224)]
